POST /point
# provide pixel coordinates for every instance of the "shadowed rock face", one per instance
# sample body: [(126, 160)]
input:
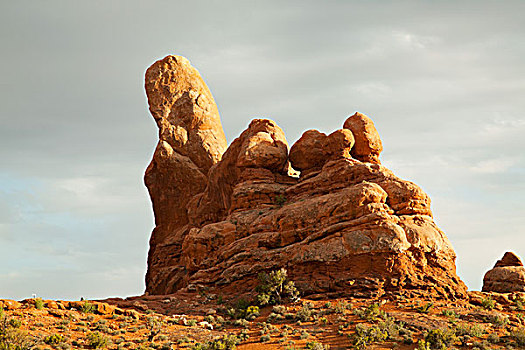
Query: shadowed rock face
[(508, 275), (347, 225)]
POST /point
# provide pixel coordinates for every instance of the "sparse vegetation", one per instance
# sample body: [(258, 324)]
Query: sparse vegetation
[(441, 338), (280, 199), (97, 340), (226, 342), (54, 339), (87, 307), (380, 322), (11, 337), (275, 287), (488, 303), (39, 304), (365, 335), (304, 313)]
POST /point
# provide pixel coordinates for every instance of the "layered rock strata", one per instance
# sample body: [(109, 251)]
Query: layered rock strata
[(508, 275), (347, 225)]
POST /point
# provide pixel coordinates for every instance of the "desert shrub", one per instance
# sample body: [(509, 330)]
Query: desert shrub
[(304, 313), (39, 303), (241, 322), (252, 312), (11, 337), (226, 342), (304, 335), (14, 323), (243, 335), (449, 313), (440, 338), (154, 325), (498, 320), (423, 345), (54, 339), (97, 340), (342, 306), (87, 307), (519, 336), (365, 335), (370, 313), (279, 309), (240, 309), (483, 345), (316, 346), (493, 338), (425, 309), (275, 287), (474, 330), (280, 199), (488, 303), (265, 338), (390, 327)]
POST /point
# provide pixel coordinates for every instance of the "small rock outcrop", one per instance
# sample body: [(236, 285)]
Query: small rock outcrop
[(508, 275), (346, 225)]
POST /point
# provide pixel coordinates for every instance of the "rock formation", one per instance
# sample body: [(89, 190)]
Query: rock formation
[(347, 225), (191, 140), (508, 275)]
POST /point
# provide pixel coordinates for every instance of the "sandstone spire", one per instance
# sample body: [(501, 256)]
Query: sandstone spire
[(191, 140)]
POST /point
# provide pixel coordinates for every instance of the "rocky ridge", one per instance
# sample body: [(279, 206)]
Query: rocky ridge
[(346, 226)]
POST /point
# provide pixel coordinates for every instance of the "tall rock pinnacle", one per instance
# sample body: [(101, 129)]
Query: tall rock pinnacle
[(191, 140)]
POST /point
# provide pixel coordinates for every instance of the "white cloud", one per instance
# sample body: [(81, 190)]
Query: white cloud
[(495, 165)]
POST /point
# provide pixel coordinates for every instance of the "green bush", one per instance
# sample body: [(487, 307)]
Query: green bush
[(371, 313), (39, 303), (488, 303), (498, 320), (275, 287), (304, 313), (227, 342), (97, 340), (280, 199), (12, 338), (365, 335), (265, 338), (54, 339), (425, 309), (87, 307), (519, 336), (449, 313), (475, 330), (441, 338), (316, 346)]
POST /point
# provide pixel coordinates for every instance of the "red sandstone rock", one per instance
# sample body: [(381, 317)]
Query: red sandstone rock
[(509, 259), (368, 145), (347, 225), (508, 275), (191, 140), (314, 149)]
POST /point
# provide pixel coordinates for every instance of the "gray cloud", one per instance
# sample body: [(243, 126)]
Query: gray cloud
[(443, 82)]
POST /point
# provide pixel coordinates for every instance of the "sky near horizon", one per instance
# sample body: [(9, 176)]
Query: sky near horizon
[(444, 82)]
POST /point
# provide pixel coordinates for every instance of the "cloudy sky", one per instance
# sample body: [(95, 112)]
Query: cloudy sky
[(444, 82)]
